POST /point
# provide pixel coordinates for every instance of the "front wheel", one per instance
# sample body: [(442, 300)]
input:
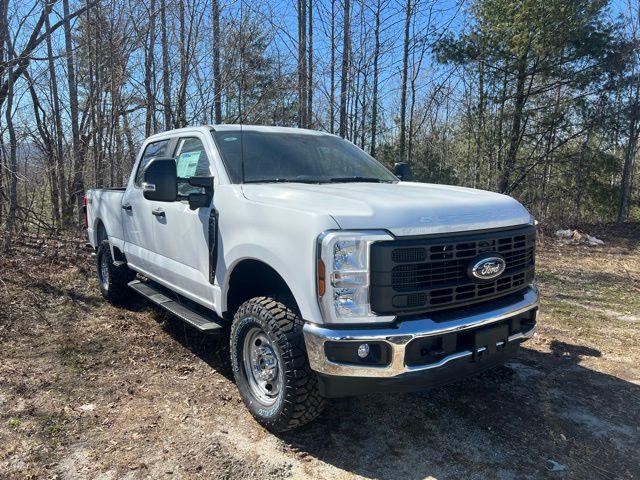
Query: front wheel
[(270, 365)]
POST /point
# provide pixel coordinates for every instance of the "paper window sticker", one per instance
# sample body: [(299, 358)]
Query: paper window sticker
[(188, 164)]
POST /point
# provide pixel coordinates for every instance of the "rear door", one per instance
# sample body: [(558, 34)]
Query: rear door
[(138, 219), (182, 235)]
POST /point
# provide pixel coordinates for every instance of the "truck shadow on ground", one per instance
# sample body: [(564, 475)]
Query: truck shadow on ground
[(212, 349), (539, 416)]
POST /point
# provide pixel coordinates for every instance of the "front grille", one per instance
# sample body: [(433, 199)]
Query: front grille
[(430, 273)]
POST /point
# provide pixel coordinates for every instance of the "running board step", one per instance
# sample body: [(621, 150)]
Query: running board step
[(193, 318)]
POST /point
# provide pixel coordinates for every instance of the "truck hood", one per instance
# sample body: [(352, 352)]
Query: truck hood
[(404, 208)]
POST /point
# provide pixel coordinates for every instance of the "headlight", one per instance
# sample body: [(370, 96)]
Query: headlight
[(343, 276)]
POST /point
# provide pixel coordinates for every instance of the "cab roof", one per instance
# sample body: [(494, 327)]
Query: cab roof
[(237, 128)]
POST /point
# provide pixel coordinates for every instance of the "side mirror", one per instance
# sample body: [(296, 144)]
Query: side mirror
[(199, 200), (402, 170), (160, 180)]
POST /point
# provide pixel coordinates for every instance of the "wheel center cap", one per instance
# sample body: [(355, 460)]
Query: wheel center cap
[(266, 366)]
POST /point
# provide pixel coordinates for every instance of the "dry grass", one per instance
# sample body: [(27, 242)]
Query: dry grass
[(88, 390)]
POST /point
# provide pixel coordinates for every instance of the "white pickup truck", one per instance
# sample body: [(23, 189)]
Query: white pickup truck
[(330, 275)]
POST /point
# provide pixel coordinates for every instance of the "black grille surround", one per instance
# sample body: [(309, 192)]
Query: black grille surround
[(422, 274)]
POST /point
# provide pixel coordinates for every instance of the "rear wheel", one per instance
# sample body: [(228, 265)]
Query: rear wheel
[(270, 365), (113, 279)]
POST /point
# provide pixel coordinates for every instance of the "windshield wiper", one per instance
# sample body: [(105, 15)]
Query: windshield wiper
[(281, 180), (358, 179)]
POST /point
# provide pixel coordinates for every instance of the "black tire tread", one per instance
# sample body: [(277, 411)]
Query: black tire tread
[(119, 276), (303, 402)]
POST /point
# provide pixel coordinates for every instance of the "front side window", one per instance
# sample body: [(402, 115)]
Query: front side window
[(153, 150), (292, 157), (191, 161)]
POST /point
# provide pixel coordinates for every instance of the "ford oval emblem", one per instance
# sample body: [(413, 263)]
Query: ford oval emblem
[(487, 267)]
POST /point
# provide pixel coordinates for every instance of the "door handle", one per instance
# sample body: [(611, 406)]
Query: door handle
[(127, 207), (158, 212)]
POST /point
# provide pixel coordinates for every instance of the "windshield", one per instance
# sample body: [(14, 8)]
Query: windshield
[(292, 157)]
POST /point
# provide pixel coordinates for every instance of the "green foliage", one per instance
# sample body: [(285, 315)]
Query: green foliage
[(258, 92), (542, 81)]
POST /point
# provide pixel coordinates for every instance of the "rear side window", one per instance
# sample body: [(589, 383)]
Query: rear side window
[(153, 150)]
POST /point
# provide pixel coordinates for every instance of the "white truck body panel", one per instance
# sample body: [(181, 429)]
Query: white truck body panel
[(284, 237), (105, 205), (403, 208)]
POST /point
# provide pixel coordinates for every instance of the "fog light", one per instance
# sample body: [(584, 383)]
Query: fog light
[(363, 350)]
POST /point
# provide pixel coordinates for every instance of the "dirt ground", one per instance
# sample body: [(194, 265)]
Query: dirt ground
[(88, 390)]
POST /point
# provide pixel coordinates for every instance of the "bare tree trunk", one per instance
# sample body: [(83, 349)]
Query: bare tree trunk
[(3, 190), (332, 70), (131, 147), (181, 110), (166, 86), (77, 187), (65, 214), (631, 151), (363, 116), (3, 168), (4, 37), (48, 151), (374, 99), (480, 137), (12, 160), (405, 70), (516, 125), (410, 132), (346, 46), (310, 76), (352, 103), (302, 64), (13, 166), (579, 176), (95, 93), (217, 80), (148, 71), (119, 174)]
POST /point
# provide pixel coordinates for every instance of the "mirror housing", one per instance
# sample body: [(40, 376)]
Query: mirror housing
[(202, 182), (402, 170), (199, 200), (160, 180)]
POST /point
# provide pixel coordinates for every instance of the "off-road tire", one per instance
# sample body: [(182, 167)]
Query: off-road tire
[(115, 287), (299, 401)]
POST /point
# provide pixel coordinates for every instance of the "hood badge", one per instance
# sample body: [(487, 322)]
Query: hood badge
[(487, 267)]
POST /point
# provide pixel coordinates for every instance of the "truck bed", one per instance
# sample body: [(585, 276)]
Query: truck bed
[(105, 204)]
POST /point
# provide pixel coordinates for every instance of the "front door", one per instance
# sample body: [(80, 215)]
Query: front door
[(181, 234)]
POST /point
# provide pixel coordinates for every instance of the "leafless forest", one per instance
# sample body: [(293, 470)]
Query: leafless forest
[(536, 99)]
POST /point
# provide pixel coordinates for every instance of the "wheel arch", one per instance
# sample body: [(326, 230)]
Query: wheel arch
[(100, 231), (101, 235), (250, 278)]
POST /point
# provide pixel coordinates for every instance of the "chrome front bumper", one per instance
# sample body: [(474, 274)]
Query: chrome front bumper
[(398, 336)]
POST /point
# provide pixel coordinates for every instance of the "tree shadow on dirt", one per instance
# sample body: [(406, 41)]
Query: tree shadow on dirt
[(85, 302), (542, 415)]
